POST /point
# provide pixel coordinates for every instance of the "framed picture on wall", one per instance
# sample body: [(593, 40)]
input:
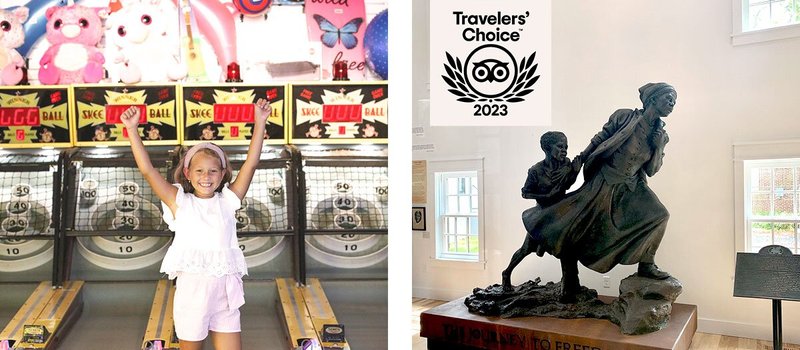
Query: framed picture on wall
[(418, 218)]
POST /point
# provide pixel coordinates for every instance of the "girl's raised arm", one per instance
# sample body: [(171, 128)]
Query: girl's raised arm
[(163, 189), (242, 181)]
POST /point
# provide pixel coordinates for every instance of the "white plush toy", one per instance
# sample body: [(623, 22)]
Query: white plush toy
[(11, 37), (142, 42)]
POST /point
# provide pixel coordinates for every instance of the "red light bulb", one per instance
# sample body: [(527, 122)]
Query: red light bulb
[(233, 73), (340, 70)]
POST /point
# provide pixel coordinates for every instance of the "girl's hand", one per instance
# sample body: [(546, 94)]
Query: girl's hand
[(263, 110), (130, 118)]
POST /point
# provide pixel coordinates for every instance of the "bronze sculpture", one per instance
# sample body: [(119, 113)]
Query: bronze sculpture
[(614, 217)]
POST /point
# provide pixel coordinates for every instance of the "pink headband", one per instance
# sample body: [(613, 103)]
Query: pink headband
[(199, 146)]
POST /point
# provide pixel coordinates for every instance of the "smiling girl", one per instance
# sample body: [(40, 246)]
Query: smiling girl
[(204, 256)]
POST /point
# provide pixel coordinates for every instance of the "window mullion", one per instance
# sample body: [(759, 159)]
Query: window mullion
[(772, 192), (772, 189), (795, 204)]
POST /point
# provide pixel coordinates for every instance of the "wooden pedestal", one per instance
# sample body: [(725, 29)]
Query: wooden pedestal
[(452, 327)]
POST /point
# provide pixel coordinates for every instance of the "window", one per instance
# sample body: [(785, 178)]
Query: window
[(458, 213), (457, 209), (763, 20), (763, 14), (772, 203)]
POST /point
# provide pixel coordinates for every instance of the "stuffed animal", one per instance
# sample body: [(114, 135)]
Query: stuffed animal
[(142, 40), (73, 57), (11, 37)]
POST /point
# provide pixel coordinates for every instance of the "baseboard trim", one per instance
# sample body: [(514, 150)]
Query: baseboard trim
[(791, 332), (438, 293)]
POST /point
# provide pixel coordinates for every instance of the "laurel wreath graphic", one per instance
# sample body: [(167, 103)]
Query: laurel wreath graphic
[(522, 86)]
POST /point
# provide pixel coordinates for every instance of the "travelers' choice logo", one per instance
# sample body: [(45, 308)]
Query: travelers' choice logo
[(490, 67), (490, 74), (490, 79)]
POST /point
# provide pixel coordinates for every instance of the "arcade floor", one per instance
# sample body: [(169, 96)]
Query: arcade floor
[(115, 314)]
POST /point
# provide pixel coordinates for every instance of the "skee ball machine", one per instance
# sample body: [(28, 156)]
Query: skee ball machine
[(34, 125), (341, 129), (225, 114), (267, 219), (113, 217)]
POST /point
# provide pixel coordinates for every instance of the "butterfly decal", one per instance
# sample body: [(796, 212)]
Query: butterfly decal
[(332, 34)]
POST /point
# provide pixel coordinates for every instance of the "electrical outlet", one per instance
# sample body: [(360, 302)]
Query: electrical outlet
[(606, 282)]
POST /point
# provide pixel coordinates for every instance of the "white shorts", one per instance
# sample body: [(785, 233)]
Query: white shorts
[(204, 303)]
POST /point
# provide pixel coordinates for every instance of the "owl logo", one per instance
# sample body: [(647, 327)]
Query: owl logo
[(490, 70), (490, 73)]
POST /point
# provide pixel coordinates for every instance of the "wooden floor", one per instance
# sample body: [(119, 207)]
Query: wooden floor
[(700, 341)]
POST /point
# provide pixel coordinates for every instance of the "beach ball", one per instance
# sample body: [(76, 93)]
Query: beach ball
[(376, 47), (251, 7)]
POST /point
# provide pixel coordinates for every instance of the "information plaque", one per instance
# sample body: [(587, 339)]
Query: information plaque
[(225, 113), (34, 117), (768, 275), (340, 112), (98, 109), (772, 273)]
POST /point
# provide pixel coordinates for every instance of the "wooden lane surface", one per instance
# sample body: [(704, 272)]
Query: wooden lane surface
[(293, 310), (320, 311), (61, 308), (160, 325)]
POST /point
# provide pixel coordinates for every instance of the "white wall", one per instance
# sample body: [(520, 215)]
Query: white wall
[(603, 52)]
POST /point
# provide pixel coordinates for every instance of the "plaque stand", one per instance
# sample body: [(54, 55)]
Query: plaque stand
[(777, 326), (758, 274)]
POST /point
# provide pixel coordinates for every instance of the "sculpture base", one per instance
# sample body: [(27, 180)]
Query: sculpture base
[(451, 326)]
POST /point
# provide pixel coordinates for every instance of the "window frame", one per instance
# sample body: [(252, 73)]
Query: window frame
[(750, 219), (443, 214), (745, 157), (437, 170), (740, 36)]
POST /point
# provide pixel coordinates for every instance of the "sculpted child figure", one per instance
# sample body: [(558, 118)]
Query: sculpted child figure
[(204, 256), (547, 183)]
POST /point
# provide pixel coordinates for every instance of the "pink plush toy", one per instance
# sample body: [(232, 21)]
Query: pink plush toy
[(11, 37), (73, 57)]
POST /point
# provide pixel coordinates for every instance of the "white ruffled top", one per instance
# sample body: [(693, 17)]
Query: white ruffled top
[(205, 235)]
